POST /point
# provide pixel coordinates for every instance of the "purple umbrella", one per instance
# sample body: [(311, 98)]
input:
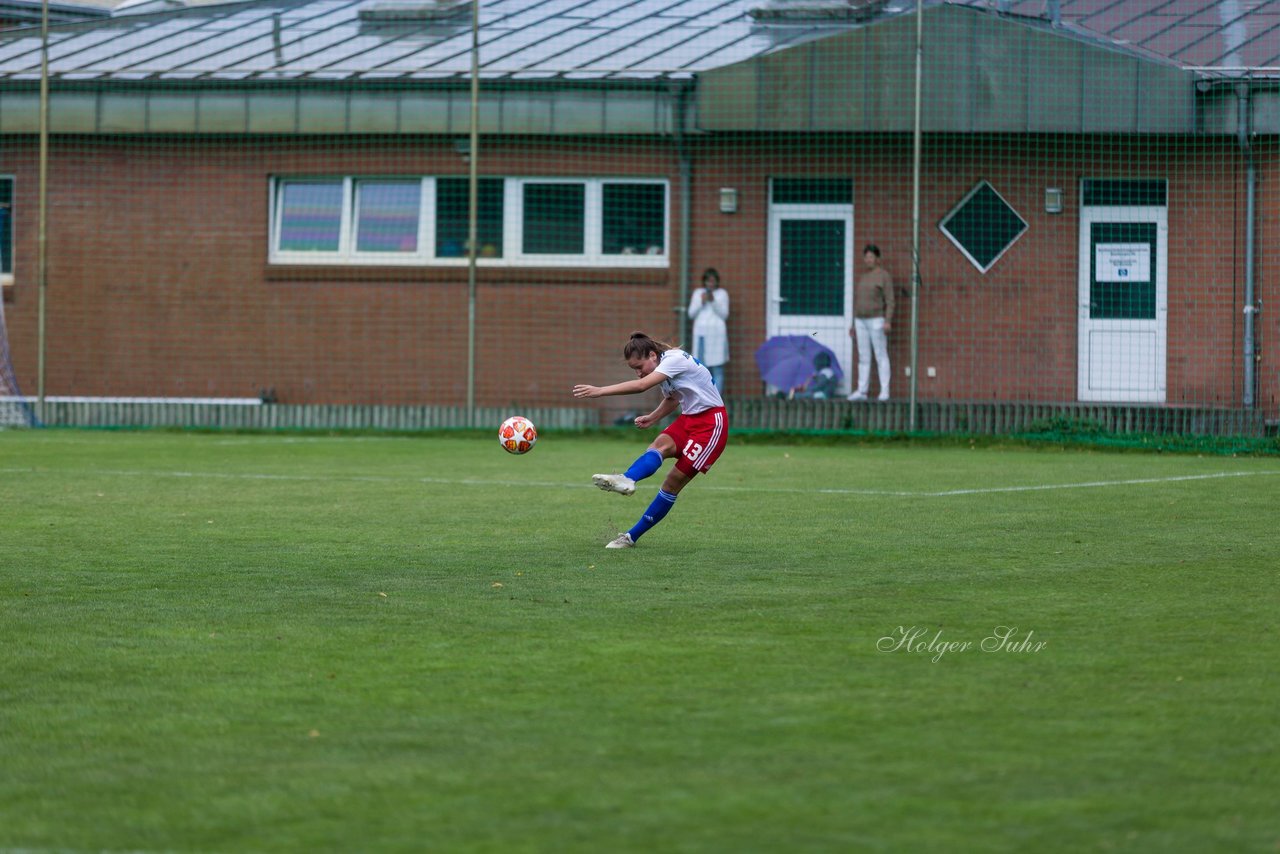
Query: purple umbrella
[(787, 361)]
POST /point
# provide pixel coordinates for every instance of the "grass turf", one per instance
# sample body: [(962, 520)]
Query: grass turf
[(238, 642)]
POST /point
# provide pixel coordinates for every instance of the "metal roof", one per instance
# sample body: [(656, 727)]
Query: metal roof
[(575, 67), (572, 40), (606, 40), (1220, 34), (29, 11)]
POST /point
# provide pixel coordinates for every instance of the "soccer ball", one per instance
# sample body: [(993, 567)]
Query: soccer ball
[(517, 435)]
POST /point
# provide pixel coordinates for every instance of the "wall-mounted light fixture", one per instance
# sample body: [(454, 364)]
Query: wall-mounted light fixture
[(728, 200), (1052, 200)]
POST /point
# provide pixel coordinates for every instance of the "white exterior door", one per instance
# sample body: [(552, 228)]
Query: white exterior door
[(1123, 305), (810, 277)]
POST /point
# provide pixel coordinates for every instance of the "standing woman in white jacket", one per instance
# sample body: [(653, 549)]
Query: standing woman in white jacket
[(709, 309)]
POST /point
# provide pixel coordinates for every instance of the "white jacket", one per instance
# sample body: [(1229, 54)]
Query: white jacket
[(710, 344)]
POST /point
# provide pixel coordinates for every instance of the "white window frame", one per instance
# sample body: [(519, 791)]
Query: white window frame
[(663, 256), (1026, 226), (512, 226), (430, 258), (284, 256), (426, 213)]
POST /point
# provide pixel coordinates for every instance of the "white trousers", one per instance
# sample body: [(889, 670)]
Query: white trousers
[(870, 334)]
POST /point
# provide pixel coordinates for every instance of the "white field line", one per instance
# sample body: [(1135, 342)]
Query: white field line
[(444, 481)]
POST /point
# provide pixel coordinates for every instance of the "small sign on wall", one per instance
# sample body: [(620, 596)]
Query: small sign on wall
[(1122, 262)]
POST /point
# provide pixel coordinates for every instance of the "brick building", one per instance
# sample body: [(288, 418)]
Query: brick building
[(272, 195)]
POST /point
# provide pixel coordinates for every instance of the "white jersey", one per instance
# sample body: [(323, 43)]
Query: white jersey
[(688, 382)]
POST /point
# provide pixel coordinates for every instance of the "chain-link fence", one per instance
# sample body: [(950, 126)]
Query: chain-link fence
[(967, 209)]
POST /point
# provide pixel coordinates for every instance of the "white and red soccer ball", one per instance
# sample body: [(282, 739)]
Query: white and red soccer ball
[(517, 435)]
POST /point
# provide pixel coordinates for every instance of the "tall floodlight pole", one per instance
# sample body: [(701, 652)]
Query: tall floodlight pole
[(473, 209), (915, 217), (42, 217)]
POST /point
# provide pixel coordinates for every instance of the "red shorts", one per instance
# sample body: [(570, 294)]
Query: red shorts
[(700, 439)]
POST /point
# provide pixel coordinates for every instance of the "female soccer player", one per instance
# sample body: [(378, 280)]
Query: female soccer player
[(696, 437)]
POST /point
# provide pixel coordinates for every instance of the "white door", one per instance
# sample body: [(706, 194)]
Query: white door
[(1123, 304), (810, 277)]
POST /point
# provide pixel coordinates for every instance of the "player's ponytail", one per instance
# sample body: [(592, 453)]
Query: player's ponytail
[(642, 345)]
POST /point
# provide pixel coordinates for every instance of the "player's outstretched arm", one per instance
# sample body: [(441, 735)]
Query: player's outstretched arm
[(628, 387)]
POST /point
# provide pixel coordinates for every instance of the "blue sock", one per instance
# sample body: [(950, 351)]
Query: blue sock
[(648, 462), (662, 502)]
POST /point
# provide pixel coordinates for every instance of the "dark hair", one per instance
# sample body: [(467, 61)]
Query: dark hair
[(822, 360), (642, 345), (872, 248), (713, 272)]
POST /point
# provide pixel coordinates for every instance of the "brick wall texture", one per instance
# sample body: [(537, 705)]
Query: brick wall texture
[(159, 282)]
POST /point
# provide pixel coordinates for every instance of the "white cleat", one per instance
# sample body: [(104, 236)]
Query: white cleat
[(622, 541), (618, 483)]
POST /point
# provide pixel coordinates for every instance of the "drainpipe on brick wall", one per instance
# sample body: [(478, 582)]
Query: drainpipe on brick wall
[(1250, 224)]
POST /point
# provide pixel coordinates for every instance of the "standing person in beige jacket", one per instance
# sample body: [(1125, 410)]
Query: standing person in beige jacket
[(872, 319)]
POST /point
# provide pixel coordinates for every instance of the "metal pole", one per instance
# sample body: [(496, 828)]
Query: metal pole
[(473, 209), (915, 218), (1243, 131), (686, 218), (42, 217)]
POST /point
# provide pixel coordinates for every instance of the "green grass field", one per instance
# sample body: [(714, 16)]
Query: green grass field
[(361, 643)]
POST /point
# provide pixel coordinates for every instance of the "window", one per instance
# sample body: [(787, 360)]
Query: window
[(387, 216), (554, 219), (812, 269), (1141, 191), (593, 222), (1114, 298), (335, 219), (310, 216), (6, 230), (983, 226), (453, 204), (520, 221), (634, 219), (812, 191)]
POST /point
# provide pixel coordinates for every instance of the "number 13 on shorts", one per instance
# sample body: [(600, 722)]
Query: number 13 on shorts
[(700, 437)]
